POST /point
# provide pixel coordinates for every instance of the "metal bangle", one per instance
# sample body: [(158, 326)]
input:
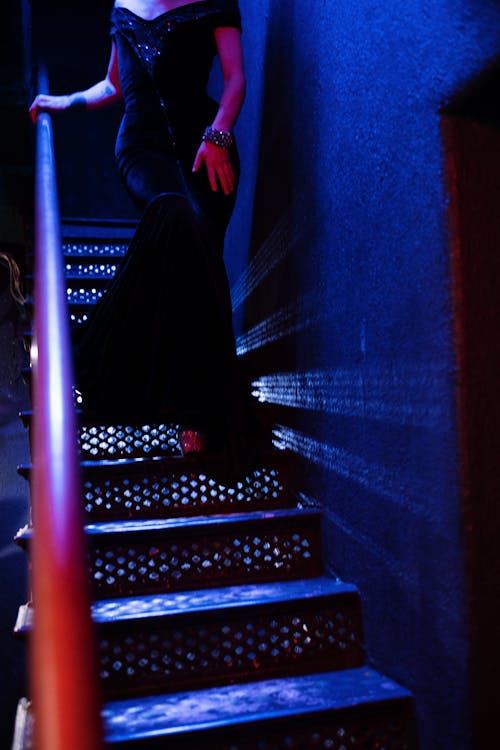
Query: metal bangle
[(222, 138)]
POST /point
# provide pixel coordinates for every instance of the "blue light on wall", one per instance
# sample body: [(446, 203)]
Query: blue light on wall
[(411, 401), (298, 315)]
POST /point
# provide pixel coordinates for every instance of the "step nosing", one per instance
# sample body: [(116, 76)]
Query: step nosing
[(260, 701), (224, 599), (201, 521), (175, 462)]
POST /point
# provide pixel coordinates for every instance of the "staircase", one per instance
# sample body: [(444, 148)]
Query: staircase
[(217, 629)]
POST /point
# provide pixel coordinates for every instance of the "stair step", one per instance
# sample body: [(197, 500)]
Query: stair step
[(94, 272), (179, 554), (223, 600), (79, 300), (179, 487), (234, 634), (104, 441), (358, 709), (78, 311), (130, 558), (88, 252), (85, 274), (189, 640), (138, 472), (127, 440), (134, 489), (110, 230)]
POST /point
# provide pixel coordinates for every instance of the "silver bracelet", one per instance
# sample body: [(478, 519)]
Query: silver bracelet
[(222, 138)]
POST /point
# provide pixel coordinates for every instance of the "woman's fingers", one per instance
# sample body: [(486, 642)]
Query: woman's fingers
[(227, 179), (219, 169), (34, 109), (47, 103), (226, 176), (212, 177), (230, 177), (198, 159)]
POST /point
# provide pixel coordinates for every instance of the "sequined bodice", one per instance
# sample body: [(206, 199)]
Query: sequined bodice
[(169, 58)]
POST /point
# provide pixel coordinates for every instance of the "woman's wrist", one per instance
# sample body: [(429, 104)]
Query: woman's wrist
[(77, 101), (222, 138)]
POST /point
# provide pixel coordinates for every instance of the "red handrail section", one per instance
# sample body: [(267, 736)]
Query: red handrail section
[(63, 669)]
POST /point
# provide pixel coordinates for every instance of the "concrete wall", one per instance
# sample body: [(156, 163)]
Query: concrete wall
[(345, 311)]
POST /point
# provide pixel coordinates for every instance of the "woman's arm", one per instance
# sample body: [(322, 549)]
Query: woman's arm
[(216, 158), (102, 94), (230, 53)]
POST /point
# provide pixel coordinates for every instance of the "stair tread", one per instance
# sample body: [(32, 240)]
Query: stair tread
[(165, 524), (204, 600), (160, 463), (88, 278), (97, 229), (224, 598), (91, 276), (183, 522), (181, 713), (108, 253), (81, 303)]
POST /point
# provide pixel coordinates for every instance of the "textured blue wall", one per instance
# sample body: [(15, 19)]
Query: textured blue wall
[(345, 308)]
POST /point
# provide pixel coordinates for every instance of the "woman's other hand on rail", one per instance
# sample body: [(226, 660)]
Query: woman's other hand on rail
[(47, 103)]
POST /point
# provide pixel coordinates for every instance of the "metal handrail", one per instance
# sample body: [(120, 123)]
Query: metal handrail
[(63, 668)]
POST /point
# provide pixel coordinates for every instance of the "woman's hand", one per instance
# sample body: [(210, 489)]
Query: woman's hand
[(101, 94), (219, 167), (46, 103)]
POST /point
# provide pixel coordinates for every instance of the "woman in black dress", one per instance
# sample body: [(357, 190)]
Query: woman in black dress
[(160, 343)]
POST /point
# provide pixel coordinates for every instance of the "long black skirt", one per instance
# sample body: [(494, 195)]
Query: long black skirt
[(159, 344)]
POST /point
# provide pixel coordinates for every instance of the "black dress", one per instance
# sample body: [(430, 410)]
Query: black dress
[(160, 343)]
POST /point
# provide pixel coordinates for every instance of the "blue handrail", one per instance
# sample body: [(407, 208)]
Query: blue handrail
[(63, 668)]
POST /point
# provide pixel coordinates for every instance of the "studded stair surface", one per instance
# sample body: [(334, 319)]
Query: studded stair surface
[(190, 639), (302, 712), (216, 628), (147, 488), (98, 441), (129, 557), (92, 252)]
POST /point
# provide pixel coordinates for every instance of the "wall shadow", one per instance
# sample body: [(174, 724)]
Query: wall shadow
[(268, 285), (471, 135)]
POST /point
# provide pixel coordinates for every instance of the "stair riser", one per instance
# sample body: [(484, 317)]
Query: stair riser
[(141, 492), (88, 252), (80, 307), (267, 550), (178, 653), (85, 275), (100, 442), (83, 259), (152, 494), (82, 299), (389, 726)]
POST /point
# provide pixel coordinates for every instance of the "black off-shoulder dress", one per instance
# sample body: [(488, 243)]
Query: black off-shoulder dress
[(160, 342)]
